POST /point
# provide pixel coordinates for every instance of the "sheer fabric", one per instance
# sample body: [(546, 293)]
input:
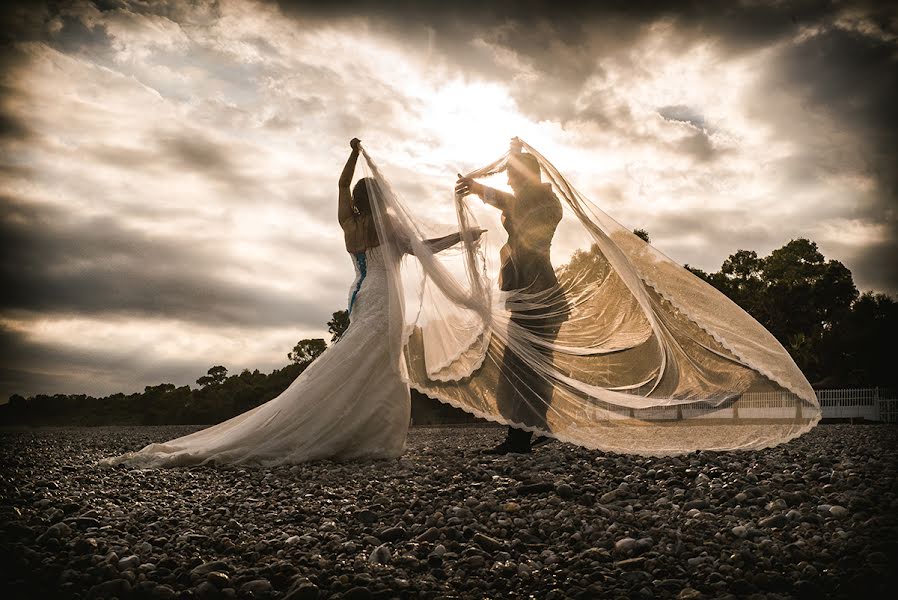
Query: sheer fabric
[(630, 352)]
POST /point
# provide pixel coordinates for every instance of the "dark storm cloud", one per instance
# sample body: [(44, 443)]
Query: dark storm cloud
[(54, 263)]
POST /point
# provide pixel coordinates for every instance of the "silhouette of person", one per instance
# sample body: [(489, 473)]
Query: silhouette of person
[(530, 216)]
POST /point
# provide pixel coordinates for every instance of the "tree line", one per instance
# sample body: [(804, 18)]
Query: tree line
[(837, 336)]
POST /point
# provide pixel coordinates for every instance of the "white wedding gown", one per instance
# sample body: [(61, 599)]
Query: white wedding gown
[(351, 403)]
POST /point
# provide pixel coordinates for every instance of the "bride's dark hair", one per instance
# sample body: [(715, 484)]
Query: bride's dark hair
[(360, 199)]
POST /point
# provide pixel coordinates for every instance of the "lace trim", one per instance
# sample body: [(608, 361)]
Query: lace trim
[(722, 341)]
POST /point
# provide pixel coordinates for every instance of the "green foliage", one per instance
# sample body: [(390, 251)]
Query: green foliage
[(305, 351), (338, 324), (214, 376)]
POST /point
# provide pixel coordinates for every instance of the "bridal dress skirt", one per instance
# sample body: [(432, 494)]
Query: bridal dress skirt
[(350, 403)]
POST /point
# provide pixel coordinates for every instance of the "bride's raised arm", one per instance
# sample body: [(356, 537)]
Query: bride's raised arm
[(344, 207)]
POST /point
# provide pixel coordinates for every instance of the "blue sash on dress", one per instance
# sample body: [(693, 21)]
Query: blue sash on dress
[(362, 263)]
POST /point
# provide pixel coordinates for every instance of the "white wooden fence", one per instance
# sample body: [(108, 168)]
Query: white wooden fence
[(870, 404)]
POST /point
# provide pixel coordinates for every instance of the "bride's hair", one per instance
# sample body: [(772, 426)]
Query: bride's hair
[(360, 200), (524, 165)]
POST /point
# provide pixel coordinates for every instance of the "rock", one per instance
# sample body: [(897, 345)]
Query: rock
[(511, 507), (697, 504), (535, 488), (293, 540), (256, 586), (626, 545), (740, 531), (366, 516), (564, 490), (380, 555), (144, 548), (358, 593), (128, 563), (206, 568), (118, 588), (206, 591), (475, 562), (218, 579), (839, 512), (83, 522), (774, 521), (392, 534), (608, 497), (488, 543), (630, 563), (55, 532), (689, 594), (303, 590), (163, 592), (430, 535)]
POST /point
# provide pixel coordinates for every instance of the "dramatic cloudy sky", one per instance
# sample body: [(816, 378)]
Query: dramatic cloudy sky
[(168, 169)]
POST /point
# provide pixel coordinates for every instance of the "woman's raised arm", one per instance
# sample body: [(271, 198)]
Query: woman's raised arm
[(344, 207)]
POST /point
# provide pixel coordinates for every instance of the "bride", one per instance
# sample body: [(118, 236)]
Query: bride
[(353, 401)]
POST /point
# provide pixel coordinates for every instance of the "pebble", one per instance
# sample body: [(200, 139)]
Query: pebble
[(256, 586), (380, 555)]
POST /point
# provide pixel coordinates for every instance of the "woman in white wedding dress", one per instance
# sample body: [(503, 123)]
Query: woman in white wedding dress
[(352, 402)]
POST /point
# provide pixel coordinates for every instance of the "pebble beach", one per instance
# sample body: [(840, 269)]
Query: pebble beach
[(814, 518)]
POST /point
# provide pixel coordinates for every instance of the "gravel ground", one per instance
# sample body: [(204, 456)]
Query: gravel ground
[(814, 518)]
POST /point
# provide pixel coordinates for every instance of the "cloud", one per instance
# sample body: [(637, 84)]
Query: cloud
[(58, 263)]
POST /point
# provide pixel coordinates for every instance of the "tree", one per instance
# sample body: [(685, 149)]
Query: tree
[(643, 234), (795, 293), (162, 388), (305, 351), (215, 375), (338, 324)]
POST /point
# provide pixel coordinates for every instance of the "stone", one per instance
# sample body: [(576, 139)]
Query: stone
[(488, 543), (163, 592), (119, 588), (256, 586), (839, 512), (304, 590), (535, 488), (207, 567), (358, 593), (128, 563), (626, 545), (430, 535), (206, 591), (776, 521), (564, 490), (218, 579), (380, 555), (392, 534)]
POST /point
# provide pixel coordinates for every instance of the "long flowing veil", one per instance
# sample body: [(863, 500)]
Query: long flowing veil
[(644, 358)]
